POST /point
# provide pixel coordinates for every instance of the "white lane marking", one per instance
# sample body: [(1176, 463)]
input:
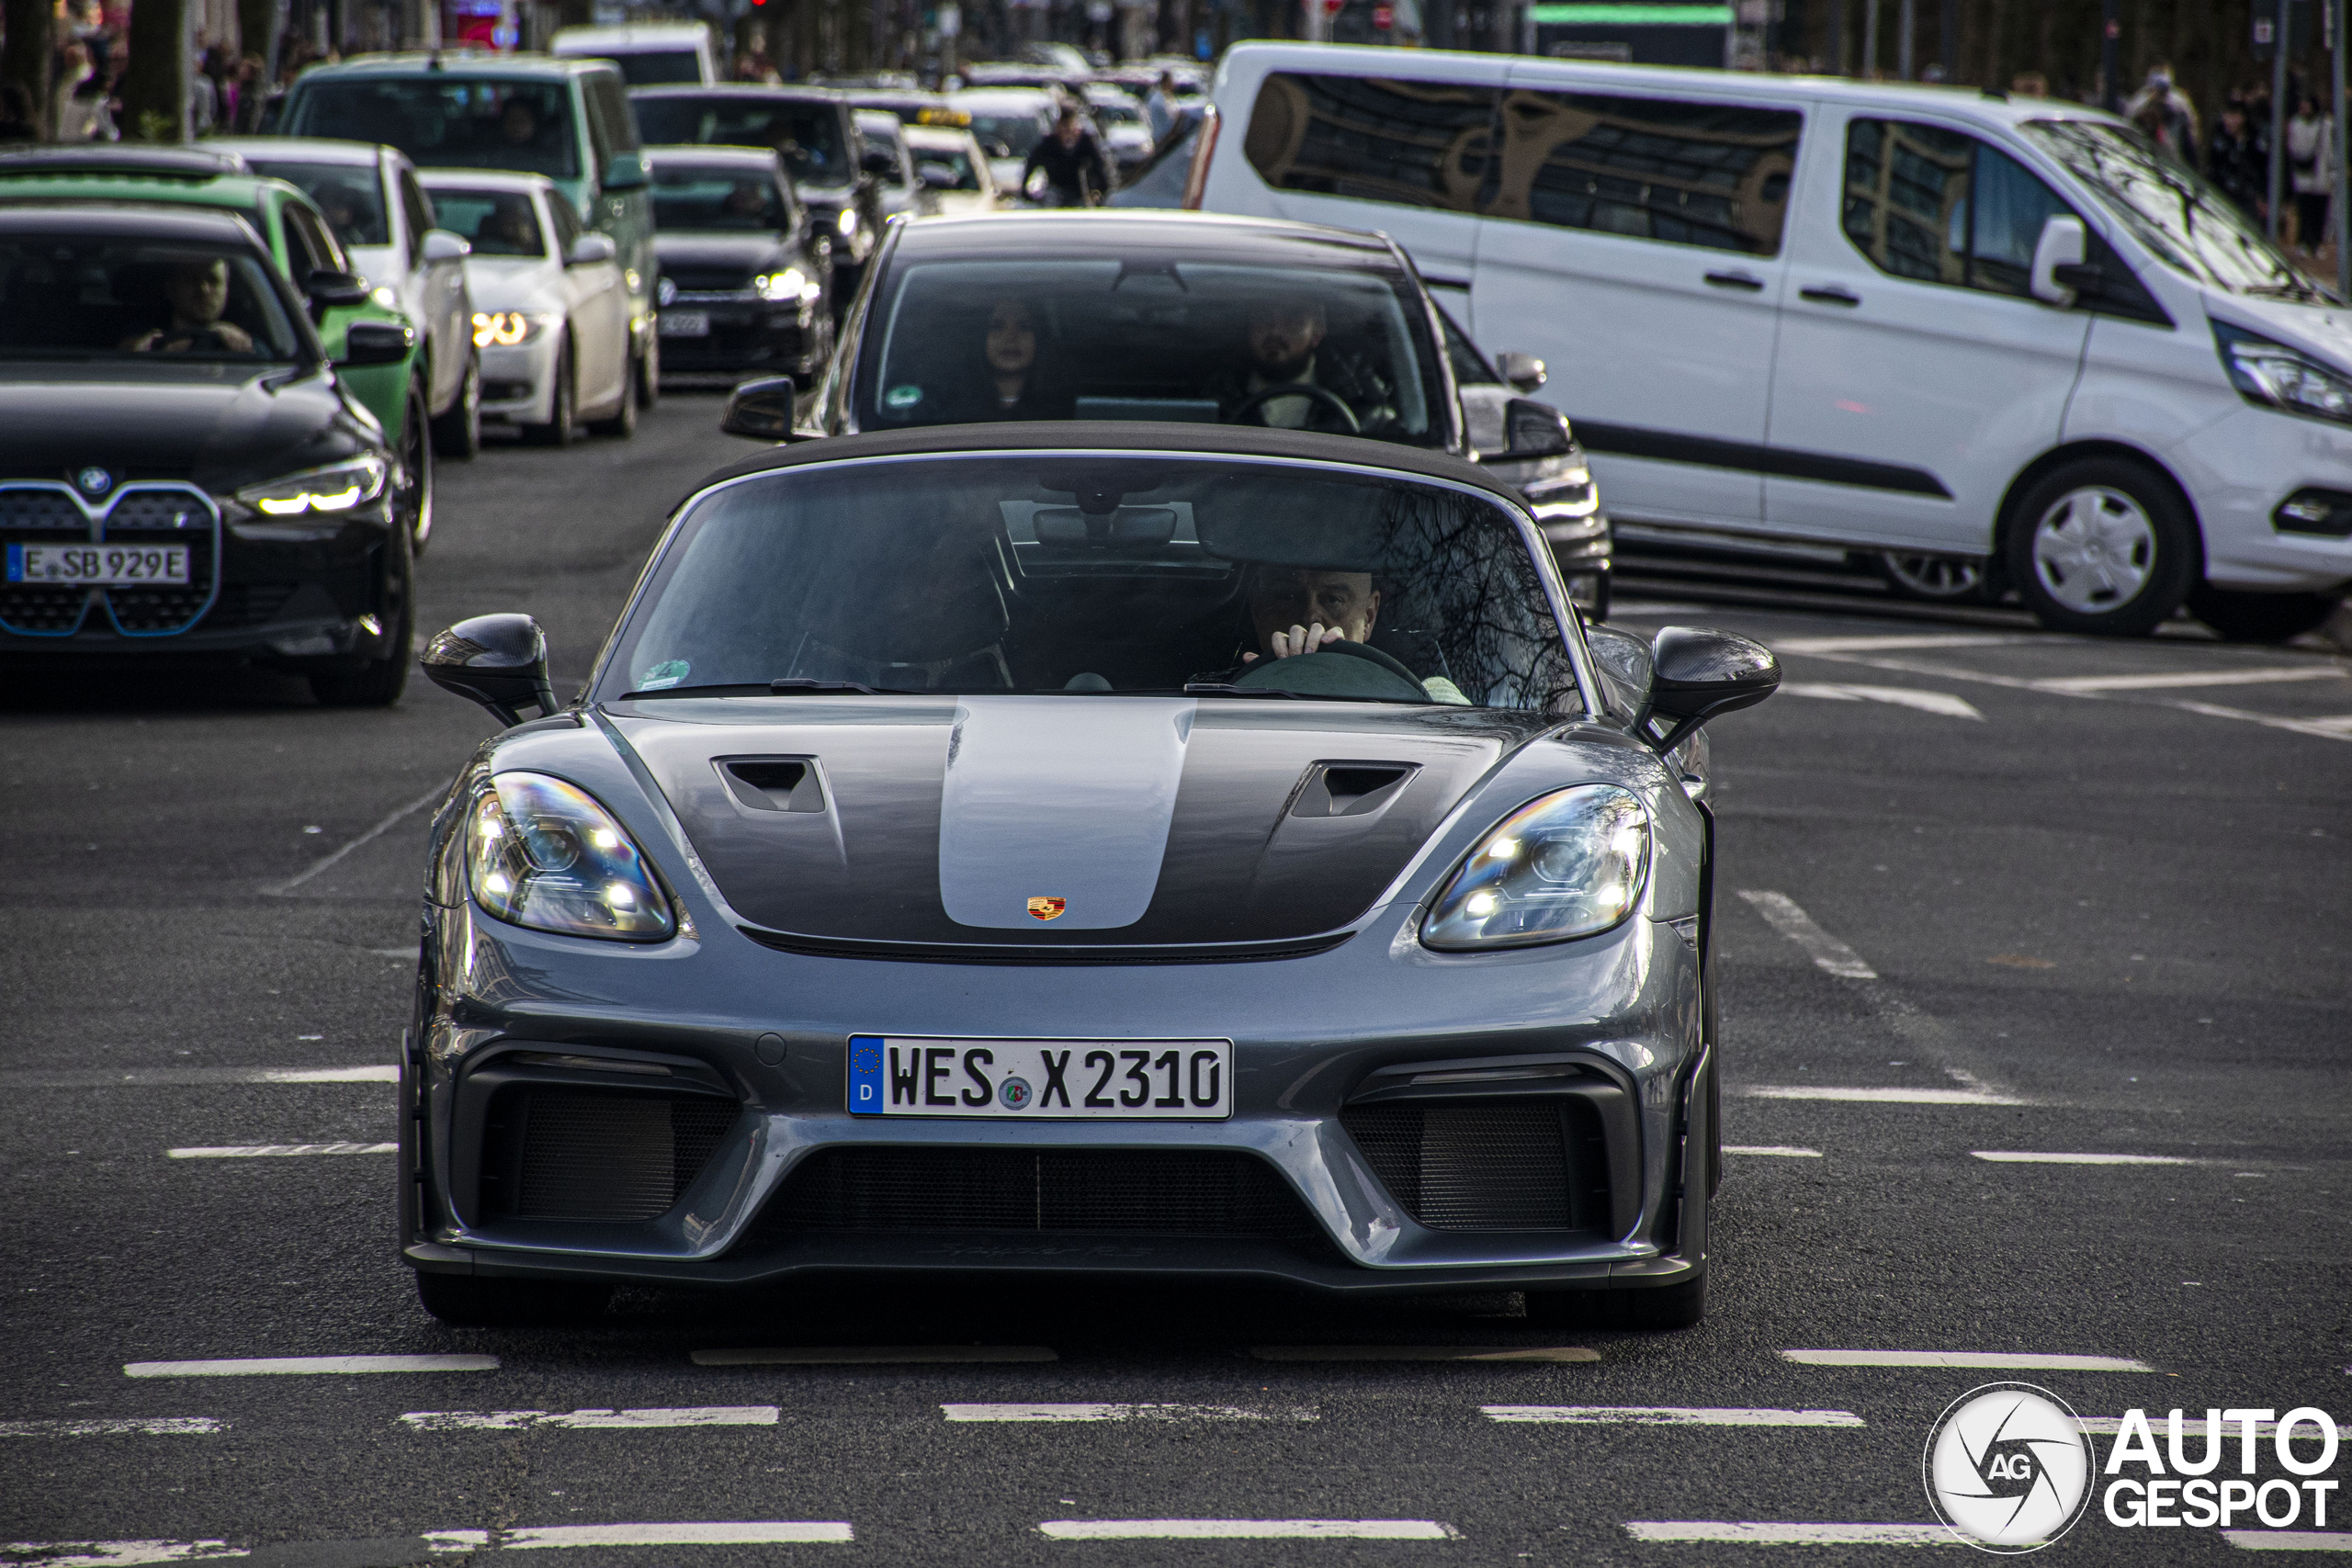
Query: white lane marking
[(2289, 1540), (735, 1532), (2019, 1156), (187, 1078), (1088, 1412), (2112, 1426), (2024, 1362), (113, 1553), (870, 1355), (1423, 1353), (1879, 1096), (384, 1074), (1664, 1416), (1785, 1149), (271, 1151), (280, 890), (298, 1366), (1941, 703), (2335, 729), (593, 1420), (1890, 644), (1759, 1533), (2263, 676), (1781, 912), (144, 1427), (1247, 1530)]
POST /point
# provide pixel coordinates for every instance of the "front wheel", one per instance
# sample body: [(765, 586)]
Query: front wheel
[(377, 680), (562, 422), (472, 1300), (2242, 616), (648, 373), (2102, 546), (458, 433), (412, 498), (622, 421)]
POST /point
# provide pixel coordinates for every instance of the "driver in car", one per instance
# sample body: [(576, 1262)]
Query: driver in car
[(198, 293), (1301, 610), (1285, 337)]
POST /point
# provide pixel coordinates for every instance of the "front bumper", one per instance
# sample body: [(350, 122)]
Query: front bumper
[(1604, 1033), (745, 334), (518, 379)]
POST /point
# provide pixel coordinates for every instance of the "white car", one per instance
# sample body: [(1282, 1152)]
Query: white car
[(952, 165), (1007, 122), (372, 201), (551, 315), (650, 55)]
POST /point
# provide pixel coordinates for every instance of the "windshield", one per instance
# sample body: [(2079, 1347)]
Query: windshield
[(447, 122), (69, 295), (808, 134), (1150, 337), (495, 222), (2171, 209), (956, 160), (717, 197), (351, 196), (1091, 572), (1007, 134)]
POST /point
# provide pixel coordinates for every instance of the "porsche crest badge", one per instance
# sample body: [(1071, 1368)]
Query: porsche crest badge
[(1048, 908)]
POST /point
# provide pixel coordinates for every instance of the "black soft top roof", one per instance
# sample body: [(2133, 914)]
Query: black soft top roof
[(128, 218), (1123, 436)]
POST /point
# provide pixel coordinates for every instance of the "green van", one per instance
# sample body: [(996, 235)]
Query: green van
[(534, 114)]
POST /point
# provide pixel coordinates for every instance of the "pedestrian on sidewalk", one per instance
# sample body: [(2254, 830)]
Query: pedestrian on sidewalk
[(2310, 142)]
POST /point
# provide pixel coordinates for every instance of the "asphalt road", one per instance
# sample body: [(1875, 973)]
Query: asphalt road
[(1982, 890)]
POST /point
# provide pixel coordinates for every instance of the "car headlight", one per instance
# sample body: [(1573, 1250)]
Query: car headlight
[(847, 221), (540, 852), (2277, 377), (1562, 497), (1566, 864), (504, 329), (338, 487), (789, 287)]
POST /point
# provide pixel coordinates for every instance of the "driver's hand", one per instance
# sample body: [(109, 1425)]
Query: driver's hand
[(1304, 639), (142, 343), (233, 338)]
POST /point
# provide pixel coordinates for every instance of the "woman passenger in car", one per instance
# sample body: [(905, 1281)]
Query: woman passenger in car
[(1016, 389)]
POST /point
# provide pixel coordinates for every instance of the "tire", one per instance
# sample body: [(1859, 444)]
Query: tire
[(377, 681), (414, 503), (648, 373), (1659, 1309), (2242, 616), (470, 1301), (564, 422), (622, 423), (1936, 580), (458, 433), (2102, 546)]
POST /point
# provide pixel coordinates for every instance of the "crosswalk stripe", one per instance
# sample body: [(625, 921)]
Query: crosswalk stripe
[(1247, 1530), (592, 1420), (1782, 913), (736, 1532), (298, 1366), (2289, 1540), (2019, 1156), (2027, 1361), (268, 1151), (142, 1427), (115, 1554), (1664, 1416), (1763, 1533), (1877, 1095)]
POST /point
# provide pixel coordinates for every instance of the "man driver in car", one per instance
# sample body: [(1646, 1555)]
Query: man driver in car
[(1296, 610), (1285, 339), (198, 293)]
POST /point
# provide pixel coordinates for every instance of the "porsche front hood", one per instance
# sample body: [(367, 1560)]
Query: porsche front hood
[(1052, 821)]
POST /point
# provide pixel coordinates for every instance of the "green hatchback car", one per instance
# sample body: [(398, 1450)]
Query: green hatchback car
[(533, 114), (296, 236)]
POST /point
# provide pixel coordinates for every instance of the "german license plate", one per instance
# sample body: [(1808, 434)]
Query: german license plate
[(104, 566), (685, 323), (1110, 1080)]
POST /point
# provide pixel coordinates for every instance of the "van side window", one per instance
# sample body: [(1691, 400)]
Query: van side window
[(1940, 207), (1682, 172), (1413, 144)]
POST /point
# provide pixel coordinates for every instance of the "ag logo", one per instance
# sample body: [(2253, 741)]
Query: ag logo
[(1014, 1093), (94, 481), (1048, 908), (2008, 1467)]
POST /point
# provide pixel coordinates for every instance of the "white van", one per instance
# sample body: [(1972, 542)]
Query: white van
[(1923, 320), (650, 55)]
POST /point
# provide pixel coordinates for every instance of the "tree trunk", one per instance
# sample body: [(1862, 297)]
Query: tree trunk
[(26, 59), (154, 90)]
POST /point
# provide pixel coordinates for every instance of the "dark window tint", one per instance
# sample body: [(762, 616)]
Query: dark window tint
[(1685, 173), (447, 122), (656, 68), (1470, 366), (495, 222), (349, 194), (309, 246), (614, 127), (68, 296), (1927, 203), (418, 210), (719, 196), (1416, 143), (807, 133)]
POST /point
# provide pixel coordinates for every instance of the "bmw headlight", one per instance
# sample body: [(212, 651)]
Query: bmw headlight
[(847, 221), (789, 287), (2278, 377), (1566, 864), (506, 329), (542, 853), (338, 487)]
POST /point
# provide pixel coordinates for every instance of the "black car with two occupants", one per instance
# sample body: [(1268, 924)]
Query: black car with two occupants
[(1163, 850), (1175, 317), (183, 472), (746, 282)]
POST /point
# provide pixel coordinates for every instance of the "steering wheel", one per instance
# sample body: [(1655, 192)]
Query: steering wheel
[(1323, 395), (1268, 671)]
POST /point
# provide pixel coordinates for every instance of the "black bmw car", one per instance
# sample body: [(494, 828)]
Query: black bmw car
[(1152, 849), (181, 470), (747, 275)]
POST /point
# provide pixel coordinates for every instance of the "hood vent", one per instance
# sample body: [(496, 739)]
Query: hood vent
[(773, 784), (1350, 789)]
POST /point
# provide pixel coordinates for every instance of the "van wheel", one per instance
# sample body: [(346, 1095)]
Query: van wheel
[(2260, 618), (471, 1300), (2102, 546), (561, 424)]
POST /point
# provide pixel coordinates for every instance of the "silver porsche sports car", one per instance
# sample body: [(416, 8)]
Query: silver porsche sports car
[(1202, 850)]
